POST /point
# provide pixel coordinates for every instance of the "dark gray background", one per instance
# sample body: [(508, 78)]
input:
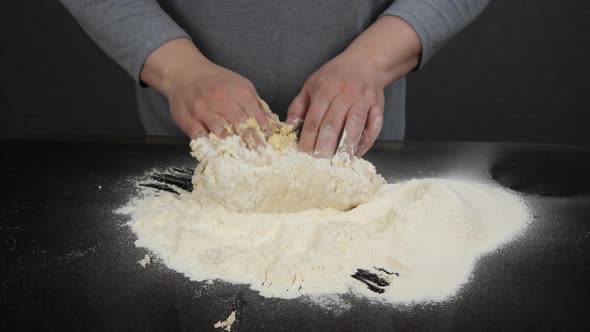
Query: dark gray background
[(519, 73)]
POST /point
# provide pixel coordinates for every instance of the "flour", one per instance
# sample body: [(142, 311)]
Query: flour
[(405, 242), (227, 323), (145, 261)]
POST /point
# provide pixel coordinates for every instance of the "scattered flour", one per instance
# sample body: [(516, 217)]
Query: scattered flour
[(290, 225), (145, 261), (227, 323)]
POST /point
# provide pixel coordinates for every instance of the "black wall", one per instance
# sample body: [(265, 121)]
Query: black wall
[(519, 73)]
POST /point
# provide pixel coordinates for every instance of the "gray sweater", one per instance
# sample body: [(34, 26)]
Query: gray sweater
[(277, 44)]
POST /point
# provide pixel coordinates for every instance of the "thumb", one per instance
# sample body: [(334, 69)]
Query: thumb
[(298, 108)]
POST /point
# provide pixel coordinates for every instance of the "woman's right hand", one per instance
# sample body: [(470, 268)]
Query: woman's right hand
[(203, 96)]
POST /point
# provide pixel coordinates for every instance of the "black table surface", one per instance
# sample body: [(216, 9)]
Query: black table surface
[(70, 263)]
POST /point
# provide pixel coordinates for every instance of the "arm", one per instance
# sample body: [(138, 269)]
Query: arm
[(346, 94), (127, 30), (436, 21), (144, 40)]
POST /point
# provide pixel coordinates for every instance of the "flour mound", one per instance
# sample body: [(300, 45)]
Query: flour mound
[(427, 233), (277, 178), (290, 225)]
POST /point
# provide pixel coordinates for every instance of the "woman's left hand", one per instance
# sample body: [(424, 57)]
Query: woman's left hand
[(344, 98)]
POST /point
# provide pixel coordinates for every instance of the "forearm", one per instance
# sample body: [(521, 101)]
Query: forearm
[(436, 21), (176, 57), (127, 30), (390, 48)]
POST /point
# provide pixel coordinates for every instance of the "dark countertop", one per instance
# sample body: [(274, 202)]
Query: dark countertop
[(69, 263)]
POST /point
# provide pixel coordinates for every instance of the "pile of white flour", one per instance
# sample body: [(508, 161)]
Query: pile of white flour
[(290, 225)]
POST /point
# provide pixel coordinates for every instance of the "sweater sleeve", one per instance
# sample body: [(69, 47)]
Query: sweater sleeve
[(127, 30), (436, 21)]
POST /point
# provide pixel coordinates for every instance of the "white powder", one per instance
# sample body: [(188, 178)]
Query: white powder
[(145, 261), (227, 323), (419, 239)]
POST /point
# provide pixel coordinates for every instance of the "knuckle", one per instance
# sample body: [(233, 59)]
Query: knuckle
[(262, 122), (369, 95), (312, 124), (197, 105), (233, 117), (357, 115), (218, 93), (307, 84), (295, 109), (247, 90), (250, 85), (347, 87), (299, 101), (330, 125), (378, 111), (241, 117), (325, 86)]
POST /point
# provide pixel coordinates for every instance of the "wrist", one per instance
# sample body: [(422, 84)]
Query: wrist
[(364, 59), (390, 47), (168, 63)]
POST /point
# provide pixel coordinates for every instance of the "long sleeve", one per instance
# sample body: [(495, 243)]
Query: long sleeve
[(127, 30), (436, 21)]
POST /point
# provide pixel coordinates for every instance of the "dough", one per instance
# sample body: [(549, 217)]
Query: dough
[(277, 178)]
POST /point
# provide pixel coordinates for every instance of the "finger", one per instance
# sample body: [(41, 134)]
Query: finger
[(371, 131), (185, 122), (217, 125), (253, 109), (265, 108), (356, 119), (297, 108), (331, 127), (253, 138), (234, 115), (273, 119), (311, 125), (197, 130)]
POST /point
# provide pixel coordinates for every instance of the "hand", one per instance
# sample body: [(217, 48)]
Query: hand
[(344, 98), (203, 96)]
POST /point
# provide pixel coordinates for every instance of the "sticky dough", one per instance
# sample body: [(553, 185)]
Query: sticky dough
[(277, 178)]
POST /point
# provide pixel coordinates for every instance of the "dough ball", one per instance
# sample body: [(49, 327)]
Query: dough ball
[(278, 178)]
